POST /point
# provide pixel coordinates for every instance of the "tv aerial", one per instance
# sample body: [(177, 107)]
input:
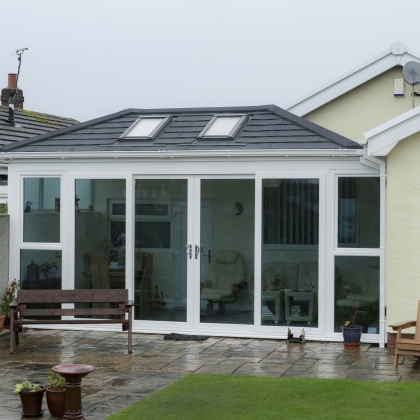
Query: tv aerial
[(411, 73)]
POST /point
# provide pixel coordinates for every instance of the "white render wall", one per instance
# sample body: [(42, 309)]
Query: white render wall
[(364, 107), (403, 234)]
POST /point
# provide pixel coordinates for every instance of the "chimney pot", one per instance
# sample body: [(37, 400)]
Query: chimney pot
[(11, 80)]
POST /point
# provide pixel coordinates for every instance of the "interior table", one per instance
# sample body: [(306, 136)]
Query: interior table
[(300, 305), (73, 374)]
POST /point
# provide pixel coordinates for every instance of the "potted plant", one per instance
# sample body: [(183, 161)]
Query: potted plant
[(56, 394), (48, 270), (113, 258), (9, 296), (31, 398), (351, 331)]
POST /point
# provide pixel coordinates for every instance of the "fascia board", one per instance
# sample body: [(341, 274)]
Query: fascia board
[(11, 157), (383, 138)]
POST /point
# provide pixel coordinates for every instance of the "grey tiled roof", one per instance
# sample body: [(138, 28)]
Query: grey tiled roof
[(32, 124), (268, 127)]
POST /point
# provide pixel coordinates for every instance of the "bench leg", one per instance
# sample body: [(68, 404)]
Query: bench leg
[(12, 342), (130, 330), (396, 361)]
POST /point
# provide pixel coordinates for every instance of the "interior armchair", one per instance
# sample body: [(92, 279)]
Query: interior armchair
[(227, 269)]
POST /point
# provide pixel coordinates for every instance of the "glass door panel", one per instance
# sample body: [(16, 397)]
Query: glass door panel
[(226, 251), (161, 217), (290, 236)]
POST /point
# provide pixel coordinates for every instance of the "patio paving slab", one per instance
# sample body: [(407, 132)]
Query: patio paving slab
[(121, 378)]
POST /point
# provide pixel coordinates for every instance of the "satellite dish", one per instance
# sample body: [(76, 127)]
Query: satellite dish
[(411, 72)]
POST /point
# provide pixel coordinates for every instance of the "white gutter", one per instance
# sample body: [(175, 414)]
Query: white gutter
[(377, 163), (171, 154)]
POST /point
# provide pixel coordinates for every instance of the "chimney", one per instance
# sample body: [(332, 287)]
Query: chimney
[(5, 93)]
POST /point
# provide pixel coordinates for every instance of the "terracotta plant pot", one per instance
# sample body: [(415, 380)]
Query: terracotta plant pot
[(55, 402), (351, 335), (32, 402), (1, 322)]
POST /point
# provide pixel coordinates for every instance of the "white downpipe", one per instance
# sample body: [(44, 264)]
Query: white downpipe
[(375, 162)]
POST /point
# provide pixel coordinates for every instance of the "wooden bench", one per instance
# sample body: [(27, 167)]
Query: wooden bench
[(110, 303)]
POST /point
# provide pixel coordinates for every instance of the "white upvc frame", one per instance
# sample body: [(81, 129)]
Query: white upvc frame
[(336, 251), (281, 331)]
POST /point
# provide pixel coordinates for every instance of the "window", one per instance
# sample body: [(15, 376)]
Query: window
[(223, 126), (146, 128)]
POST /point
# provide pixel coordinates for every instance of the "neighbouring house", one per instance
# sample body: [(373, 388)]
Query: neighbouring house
[(239, 221), (27, 124), (373, 105)]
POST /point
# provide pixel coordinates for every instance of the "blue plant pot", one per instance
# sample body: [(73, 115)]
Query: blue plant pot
[(352, 334)]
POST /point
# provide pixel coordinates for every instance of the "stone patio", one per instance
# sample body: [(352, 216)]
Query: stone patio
[(121, 378)]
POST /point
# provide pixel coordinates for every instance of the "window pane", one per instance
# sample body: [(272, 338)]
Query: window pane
[(41, 201), (99, 239), (289, 274), (358, 212), (357, 292), (227, 256), (222, 126), (40, 269), (144, 127), (160, 288)]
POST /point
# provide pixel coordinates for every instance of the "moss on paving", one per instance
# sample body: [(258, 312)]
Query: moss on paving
[(243, 397)]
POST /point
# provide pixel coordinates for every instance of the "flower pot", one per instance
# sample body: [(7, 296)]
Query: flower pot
[(1, 322), (32, 402), (352, 334), (113, 264), (6, 323), (55, 402)]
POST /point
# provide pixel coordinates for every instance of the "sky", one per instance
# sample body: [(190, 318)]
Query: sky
[(87, 59)]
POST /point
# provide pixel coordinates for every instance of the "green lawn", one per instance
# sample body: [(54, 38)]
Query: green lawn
[(243, 397)]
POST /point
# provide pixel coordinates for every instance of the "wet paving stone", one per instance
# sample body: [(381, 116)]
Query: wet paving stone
[(121, 378)]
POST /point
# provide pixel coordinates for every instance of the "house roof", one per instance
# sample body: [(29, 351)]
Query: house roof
[(396, 55), (382, 139), (29, 123), (267, 127)]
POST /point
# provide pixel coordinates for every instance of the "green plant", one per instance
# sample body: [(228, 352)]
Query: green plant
[(3, 208), (9, 296), (56, 381), (26, 386)]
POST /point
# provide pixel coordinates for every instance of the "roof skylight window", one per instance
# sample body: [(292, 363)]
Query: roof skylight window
[(146, 128), (223, 126)]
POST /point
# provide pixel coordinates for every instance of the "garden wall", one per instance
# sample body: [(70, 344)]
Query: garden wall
[(4, 250)]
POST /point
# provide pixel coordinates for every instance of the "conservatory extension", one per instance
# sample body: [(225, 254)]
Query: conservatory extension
[(223, 221)]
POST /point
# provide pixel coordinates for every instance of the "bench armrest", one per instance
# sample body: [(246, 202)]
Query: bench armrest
[(13, 305), (403, 325), (129, 303)]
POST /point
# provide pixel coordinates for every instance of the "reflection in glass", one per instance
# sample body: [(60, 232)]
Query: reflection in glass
[(358, 212), (40, 269), (227, 250), (357, 292), (290, 252), (161, 217), (99, 257), (41, 208)]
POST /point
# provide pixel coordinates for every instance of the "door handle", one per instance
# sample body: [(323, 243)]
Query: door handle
[(197, 251), (207, 255), (188, 250)]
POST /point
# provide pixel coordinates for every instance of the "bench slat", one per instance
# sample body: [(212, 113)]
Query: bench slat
[(73, 296), (71, 321), (69, 312)]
